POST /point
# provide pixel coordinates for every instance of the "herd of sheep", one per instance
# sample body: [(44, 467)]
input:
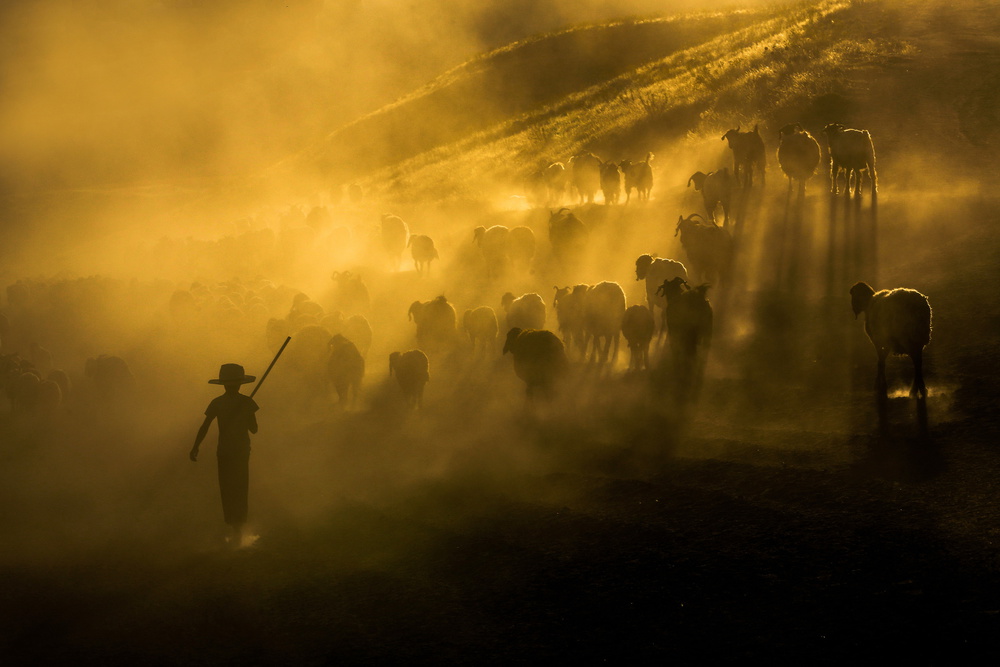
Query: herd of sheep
[(330, 346)]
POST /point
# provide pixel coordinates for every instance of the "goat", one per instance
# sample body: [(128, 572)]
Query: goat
[(853, 152), (716, 188), (637, 328), (689, 325), (539, 359), (748, 155), (586, 176), (708, 247), (638, 176), (412, 371), (798, 155), (556, 180), (897, 321), (423, 251)]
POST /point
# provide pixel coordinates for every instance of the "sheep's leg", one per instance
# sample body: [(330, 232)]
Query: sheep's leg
[(614, 357), (881, 387), (918, 390)]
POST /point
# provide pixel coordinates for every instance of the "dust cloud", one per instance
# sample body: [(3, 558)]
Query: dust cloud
[(139, 254)]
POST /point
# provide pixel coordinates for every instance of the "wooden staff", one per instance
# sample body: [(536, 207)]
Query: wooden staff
[(264, 376)]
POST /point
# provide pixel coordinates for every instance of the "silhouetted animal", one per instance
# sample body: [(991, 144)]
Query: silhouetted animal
[(435, 322), (493, 243), (567, 234), (570, 306), (748, 155), (412, 371), (638, 176), (798, 155), (586, 176), (350, 294), (521, 247), (604, 308), (611, 182), (654, 270), (539, 359), (708, 247), (716, 188), (897, 321), (346, 369), (394, 234), (111, 377), (482, 328), (525, 312), (853, 152), (556, 180), (423, 251), (638, 327), (689, 325)]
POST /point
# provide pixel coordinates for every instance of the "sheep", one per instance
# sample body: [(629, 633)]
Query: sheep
[(586, 176), (748, 154), (394, 234), (493, 243), (654, 270), (111, 376), (604, 308), (357, 330), (689, 325), (482, 328), (708, 247), (435, 322), (853, 151), (308, 352), (539, 359), (61, 378), (716, 188), (526, 311), (412, 371), (346, 368), (798, 155), (637, 328), (567, 234), (521, 246), (571, 314), (611, 182), (638, 175), (897, 321), (423, 251)]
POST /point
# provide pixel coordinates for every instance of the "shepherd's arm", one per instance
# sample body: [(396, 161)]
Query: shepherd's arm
[(202, 432)]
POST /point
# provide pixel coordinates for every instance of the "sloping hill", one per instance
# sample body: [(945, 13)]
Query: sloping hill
[(629, 87)]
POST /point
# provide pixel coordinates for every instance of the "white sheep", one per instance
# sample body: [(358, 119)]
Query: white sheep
[(853, 152), (654, 270), (539, 359), (604, 308), (412, 371), (345, 368), (482, 328), (897, 321), (525, 312), (748, 155), (716, 188), (709, 248), (798, 155), (637, 328), (423, 251), (394, 234)]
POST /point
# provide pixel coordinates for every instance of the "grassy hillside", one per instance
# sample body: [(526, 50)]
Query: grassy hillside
[(629, 87)]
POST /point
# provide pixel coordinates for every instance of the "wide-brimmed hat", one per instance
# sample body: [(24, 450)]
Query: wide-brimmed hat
[(232, 374)]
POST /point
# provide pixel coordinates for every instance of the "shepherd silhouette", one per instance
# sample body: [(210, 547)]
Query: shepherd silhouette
[(237, 417)]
